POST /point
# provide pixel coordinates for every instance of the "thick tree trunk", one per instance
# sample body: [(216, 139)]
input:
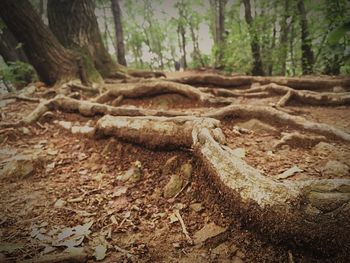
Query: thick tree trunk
[(117, 14), (51, 60), (9, 48), (75, 25), (257, 64), (307, 55)]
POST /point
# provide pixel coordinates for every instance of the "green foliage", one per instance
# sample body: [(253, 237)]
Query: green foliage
[(337, 34), (18, 73)]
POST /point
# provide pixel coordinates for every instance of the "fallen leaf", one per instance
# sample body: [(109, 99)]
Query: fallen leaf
[(59, 203), (173, 218), (10, 247), (288, 173), (120, 191), (100, 252)]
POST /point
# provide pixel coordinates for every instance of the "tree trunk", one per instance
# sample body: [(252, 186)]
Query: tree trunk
[(307, 55), (75, 25), (219, 29), (117, 14), (182, 34), (9, 48), (284, 39), (257, 64), (51, 60)]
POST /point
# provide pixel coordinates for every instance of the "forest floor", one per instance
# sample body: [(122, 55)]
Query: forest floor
[(72, 193)]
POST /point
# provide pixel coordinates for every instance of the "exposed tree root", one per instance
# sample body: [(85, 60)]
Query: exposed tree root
[(293, 82), (269, 114), (88, 108), (315, 213), (18, 97), (145, 73), (135, 90), (303, 96), (296, 138)]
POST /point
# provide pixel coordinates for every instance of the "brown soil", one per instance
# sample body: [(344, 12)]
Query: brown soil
[(72, 168)]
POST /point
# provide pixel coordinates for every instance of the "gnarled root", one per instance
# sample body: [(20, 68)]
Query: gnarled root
[(88, 108), (149, 88), (269, 113), (312, 213), (303, 96), (296, 138), (293, 82)]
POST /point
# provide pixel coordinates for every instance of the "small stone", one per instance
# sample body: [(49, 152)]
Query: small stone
[(59, 203), (257, 126), (323, 147), (170, 165), (173, 186), (17, 169), (208, 231), (87, 130), (339, 89), (25, 131), (197, 207), (186, 171), (335, 168), (65, 124), (52, 152), (133, 175)]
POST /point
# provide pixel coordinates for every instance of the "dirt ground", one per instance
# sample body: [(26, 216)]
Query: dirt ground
[(74, 182)]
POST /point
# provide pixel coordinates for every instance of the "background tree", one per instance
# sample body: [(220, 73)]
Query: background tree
[(10, 49), (50, 59), (307, 58), (257, 68), (75, 25), (117, 14)]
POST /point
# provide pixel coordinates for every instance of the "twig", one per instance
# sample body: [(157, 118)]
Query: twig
[(183, 188), (184, 230)]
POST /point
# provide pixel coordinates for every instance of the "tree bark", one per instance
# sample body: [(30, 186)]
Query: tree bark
[(51, 60), (9, 49), (307, 55), (255, 46), (117, 14), (284, 39), (75, 25), (219, 29)]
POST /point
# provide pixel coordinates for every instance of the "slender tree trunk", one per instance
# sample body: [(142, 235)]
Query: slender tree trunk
[(75, 25), (50, 59), (9, 48), (117, 14), (196, 50), (291, 47), (257, 64), (219, 29), (307, 55), (182, 34), (284, 39), (273, 44)]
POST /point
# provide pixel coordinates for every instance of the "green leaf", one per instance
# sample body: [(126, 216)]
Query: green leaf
[(338, 33)]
